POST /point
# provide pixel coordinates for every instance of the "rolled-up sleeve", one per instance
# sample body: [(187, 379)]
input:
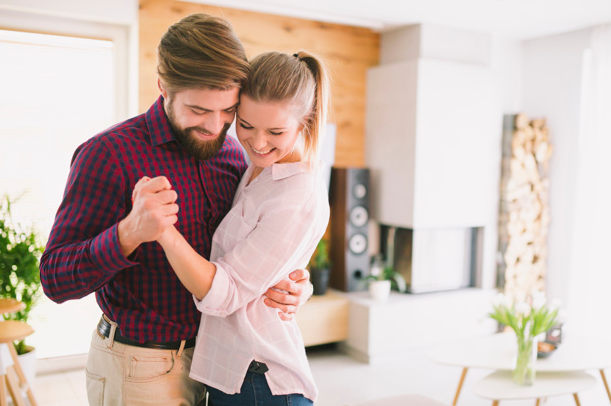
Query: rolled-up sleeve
[(282, 240)]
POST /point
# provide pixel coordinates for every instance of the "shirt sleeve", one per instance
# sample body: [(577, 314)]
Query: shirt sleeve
[(282, 237), (83, 251)]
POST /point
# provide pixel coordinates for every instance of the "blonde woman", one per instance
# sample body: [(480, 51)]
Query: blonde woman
[(244, 353)]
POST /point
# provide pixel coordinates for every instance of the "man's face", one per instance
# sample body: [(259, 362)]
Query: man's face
[(200, 118)]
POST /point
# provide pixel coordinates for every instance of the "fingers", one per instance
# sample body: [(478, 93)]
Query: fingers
[(286, 317), (285, 293), (300, 275), (159, 187), (284, 308), (153, 185), (154, 208)]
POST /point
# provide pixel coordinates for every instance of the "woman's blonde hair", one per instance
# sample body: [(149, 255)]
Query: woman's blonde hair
[(300, 80), (201, 51)]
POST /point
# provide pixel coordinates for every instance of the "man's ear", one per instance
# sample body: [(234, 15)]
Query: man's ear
[(164, 92)]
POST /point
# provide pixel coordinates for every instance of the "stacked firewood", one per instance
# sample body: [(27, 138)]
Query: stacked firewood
[(524, 209)]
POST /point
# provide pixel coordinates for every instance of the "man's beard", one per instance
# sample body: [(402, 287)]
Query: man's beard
[(197, 148)]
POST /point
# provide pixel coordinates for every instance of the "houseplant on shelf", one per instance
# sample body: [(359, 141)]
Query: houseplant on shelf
[(383, 278), (320, 268), (20, 252), (527, 319)]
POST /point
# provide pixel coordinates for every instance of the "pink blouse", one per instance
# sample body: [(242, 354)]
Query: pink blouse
[(271, 230)]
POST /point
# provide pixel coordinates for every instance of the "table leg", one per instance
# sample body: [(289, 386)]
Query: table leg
[(538, 402), (495, 403), (602, 374), (462, 380), (576, 399)]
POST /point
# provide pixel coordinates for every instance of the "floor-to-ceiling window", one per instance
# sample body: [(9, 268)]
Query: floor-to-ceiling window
[(57, 91)]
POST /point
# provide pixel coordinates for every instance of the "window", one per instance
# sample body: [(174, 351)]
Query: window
[(57, 92)]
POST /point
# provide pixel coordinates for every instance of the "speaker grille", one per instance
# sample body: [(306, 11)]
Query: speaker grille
[(349, 192)]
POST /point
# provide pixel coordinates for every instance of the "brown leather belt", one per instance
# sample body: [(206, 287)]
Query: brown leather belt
[(104, 328)]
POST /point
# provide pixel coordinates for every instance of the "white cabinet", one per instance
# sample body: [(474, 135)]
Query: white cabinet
[(433, 131), (382, 331)]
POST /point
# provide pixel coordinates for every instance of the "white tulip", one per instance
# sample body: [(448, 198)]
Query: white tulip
[(522, 308), (538, 300)]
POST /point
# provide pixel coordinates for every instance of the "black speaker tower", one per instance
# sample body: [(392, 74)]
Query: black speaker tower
[(349, 199)]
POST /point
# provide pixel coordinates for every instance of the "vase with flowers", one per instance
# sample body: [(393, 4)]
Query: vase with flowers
[(527, 319)]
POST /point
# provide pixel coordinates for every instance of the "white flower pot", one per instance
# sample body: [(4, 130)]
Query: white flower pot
[(379, 290)]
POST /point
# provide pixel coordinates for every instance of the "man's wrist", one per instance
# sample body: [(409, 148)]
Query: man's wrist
[(126, 241)]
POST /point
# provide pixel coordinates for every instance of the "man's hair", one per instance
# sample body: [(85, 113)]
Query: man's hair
[(201, 51)]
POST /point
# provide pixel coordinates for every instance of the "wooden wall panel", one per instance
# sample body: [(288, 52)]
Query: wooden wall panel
[(348, 51)]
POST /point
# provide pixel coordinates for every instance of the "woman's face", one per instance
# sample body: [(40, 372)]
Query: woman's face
[(268, 131)]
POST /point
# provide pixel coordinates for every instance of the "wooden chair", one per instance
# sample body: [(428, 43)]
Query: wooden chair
[(11, 374)]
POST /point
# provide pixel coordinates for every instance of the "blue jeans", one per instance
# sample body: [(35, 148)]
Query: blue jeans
[(255, 392)]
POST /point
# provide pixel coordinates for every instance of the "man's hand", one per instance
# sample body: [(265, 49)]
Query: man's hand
[(154, 209), (298, 290)]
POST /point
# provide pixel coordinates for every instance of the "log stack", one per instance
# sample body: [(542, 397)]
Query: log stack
[(524, 207)]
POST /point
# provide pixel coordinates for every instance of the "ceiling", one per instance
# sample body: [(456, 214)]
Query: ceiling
[(516, 19)]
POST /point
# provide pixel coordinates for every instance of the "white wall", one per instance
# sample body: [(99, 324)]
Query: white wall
[(506, 62), (551, 88), (123, 12)]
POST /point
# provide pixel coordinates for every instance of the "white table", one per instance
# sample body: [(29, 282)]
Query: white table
[(500, 386), (498, 351)]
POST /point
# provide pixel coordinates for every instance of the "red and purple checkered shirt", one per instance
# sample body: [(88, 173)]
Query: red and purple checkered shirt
[(141, 293)]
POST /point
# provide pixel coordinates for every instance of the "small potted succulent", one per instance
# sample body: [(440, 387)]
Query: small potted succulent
[(383, 279), (320, 268)]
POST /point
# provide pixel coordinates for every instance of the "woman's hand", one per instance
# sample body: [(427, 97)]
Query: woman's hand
[(290, 294)]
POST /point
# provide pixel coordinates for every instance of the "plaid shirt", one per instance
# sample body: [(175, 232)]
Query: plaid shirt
[(141, 293)]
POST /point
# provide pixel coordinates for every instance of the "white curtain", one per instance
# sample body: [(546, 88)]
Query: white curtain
[(590, 298)]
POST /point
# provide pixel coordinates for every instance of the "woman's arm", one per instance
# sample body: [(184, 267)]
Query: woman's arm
[(265, 252), (193, 270)]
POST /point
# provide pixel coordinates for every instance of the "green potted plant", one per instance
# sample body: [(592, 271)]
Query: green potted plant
[(383, 279), (320, 268), (20, 252)]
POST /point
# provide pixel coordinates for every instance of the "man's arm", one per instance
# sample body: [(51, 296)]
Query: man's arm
[(83, 251), (92, 238), (299, 290)]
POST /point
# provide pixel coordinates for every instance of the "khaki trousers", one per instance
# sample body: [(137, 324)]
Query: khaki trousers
[(124, 375)]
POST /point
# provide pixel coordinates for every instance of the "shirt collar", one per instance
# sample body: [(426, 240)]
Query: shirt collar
[(158, 124), (281, 171)]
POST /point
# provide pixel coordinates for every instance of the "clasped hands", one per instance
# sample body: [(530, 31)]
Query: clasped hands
[(154, 210)]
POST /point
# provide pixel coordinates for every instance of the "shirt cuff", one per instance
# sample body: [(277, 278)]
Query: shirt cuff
[(105, 251), (212, 303)]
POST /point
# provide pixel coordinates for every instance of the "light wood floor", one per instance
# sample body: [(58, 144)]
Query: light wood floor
[(343, 381)]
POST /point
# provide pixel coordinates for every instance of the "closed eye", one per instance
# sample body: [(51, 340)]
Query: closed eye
[(276, 133), (244, 126)]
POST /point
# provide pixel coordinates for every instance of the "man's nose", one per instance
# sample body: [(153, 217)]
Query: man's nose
[(214, 123)]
